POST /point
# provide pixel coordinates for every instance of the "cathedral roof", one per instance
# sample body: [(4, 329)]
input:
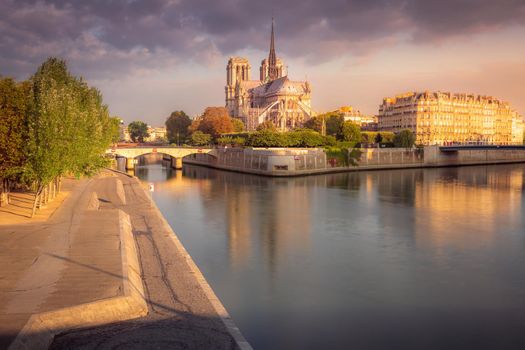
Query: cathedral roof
[(282, 85), (250, 84)]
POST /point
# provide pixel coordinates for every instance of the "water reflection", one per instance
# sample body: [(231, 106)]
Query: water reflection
[(273, 212), (404, 258)]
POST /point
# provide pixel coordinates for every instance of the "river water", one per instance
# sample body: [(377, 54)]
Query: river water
[(398, 259)]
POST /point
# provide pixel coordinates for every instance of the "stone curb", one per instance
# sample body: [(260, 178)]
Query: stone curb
[(40, 330), (234, 331)]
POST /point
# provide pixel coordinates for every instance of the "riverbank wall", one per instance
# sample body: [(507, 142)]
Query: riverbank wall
[(309, 161)]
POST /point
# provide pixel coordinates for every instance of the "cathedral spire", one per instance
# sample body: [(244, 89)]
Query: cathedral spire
[(272, 59)]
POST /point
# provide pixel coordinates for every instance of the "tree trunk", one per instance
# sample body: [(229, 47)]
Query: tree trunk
[(43, 200), (37, 197), (7, 191), (3, 194), (48, 187)]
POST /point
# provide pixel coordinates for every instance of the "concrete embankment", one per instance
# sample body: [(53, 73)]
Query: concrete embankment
[(106, 270), (183, 311), (75, 269), (309, 161)]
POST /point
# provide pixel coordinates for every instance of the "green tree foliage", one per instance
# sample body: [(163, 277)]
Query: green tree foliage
[(315, 123), (377, 137), (138, 131), (215, 121), (297, 138), (198, 138), (70, 126), (177, 126), (306, 138), (66, 127), (405, 138), (267, 125), (267, 138), (334, 122), (350, 132), (238, 125), (14, 110), (113, 131), (231, 140)]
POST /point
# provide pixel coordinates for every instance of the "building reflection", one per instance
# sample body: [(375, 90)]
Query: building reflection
[(269, 217), (238, 221), (450, 201)]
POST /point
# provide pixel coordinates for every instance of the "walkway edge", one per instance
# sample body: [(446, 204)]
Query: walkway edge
[(40, 330), (234, 331)]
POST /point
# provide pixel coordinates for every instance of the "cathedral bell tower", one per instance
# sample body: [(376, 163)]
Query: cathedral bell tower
[(237, 70)]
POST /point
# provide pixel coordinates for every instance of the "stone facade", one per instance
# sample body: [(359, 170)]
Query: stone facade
[(307, 161), (366, 122), (273, 97), (439, 118)]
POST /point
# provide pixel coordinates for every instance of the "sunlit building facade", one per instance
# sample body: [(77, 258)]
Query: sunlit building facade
[(366, 122), (439, 118)]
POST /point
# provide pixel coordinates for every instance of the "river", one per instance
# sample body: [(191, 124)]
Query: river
[(398, 259)]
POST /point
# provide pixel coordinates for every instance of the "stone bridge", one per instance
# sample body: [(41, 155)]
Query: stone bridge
[(176, 153)]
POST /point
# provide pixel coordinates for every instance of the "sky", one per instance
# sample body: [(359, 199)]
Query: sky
[(149, 58)]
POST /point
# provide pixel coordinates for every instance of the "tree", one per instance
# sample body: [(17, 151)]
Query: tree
[(306, 138), (267, 138), (405, 138), (198, 138), (138, 131), (267, 125), (238, 125), (350, 132), (314, 123), (333, 121), (194, 126), (14, 109), (69, 128), (215, 121), (177, 126)]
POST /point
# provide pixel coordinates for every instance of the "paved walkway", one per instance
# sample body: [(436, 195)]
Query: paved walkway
[(180, 316), (74, 258), (69, 259)]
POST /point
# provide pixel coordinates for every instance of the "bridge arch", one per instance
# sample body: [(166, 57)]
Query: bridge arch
[(176, 153)]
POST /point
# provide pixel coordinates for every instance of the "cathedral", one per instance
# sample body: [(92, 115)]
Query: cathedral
[(274, 97)]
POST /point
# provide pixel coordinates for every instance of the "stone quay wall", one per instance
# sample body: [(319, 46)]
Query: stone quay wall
[(307, 161)]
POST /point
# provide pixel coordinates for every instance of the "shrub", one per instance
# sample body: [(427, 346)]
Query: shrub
[(198, 138), (404, 138), (231, 140), (350, 132), (305, 138), (267, 138)]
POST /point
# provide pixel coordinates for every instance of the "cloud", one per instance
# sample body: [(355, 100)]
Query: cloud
[(104, 38), (152, 56)]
